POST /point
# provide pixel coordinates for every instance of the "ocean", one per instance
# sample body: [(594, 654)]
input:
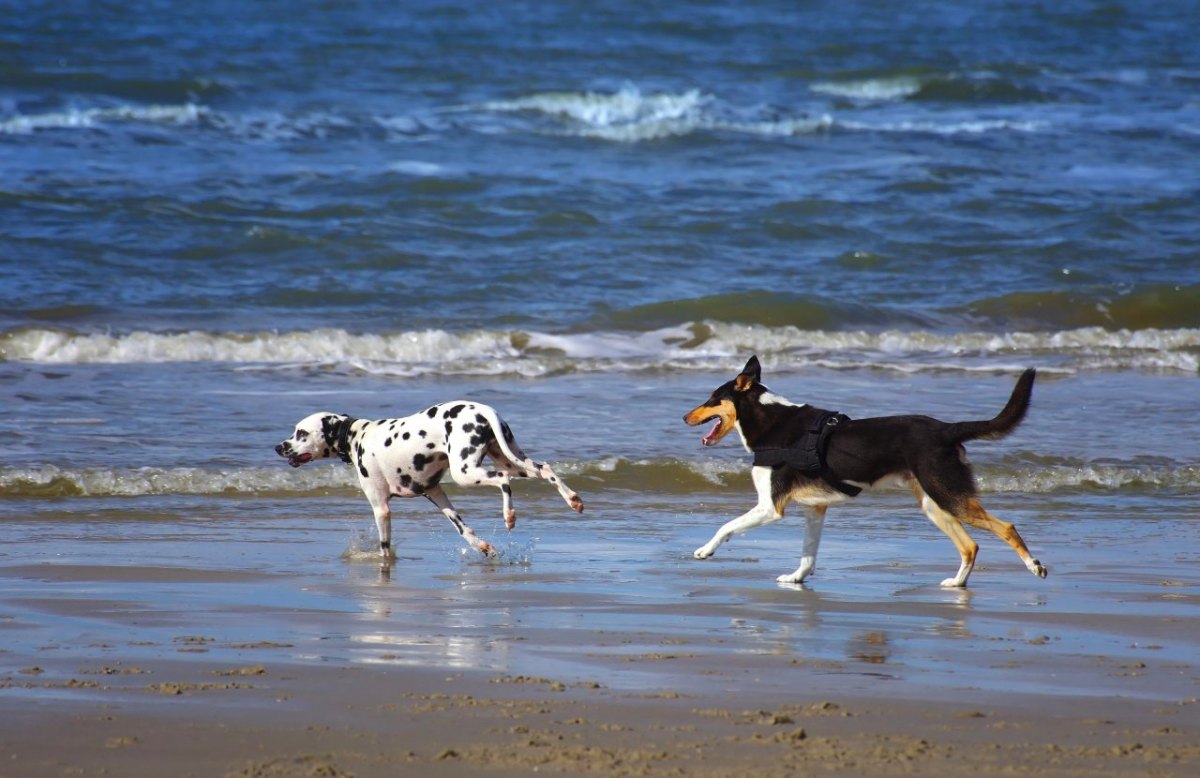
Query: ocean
[(218, 218)]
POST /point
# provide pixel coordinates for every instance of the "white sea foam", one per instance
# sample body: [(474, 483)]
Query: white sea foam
[(53, 481), (610, 345), (301, 347), (416, 168), (625, 116), (1101, 477), (188, 113), (871, 89), (598, 109), (806, 125), (630, 116), (695, 346), (50, 482), (949, 127), (257, 125)]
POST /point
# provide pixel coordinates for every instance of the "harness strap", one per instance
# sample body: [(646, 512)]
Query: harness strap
[(808, 453)]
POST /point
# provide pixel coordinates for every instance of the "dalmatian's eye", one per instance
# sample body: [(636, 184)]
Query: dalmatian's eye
[(301, 434)]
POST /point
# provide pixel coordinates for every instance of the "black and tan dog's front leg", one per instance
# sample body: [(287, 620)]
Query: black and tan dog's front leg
[(762, 513), (814, 523)]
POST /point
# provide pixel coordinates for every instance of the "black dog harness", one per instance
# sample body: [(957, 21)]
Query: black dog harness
[(808, 453)]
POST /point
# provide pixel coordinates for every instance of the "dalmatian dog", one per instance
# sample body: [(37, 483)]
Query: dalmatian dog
[(409, 457)]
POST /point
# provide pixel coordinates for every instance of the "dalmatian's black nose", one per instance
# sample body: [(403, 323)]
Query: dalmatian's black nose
[(279, 450)]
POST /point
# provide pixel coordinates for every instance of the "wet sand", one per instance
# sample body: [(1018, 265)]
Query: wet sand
[(599, 648), (272, 718)]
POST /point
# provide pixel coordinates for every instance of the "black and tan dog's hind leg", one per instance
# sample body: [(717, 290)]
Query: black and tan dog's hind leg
[(968, 510)]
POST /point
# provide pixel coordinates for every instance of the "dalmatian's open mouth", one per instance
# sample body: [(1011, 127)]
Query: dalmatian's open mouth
[(295, 460)]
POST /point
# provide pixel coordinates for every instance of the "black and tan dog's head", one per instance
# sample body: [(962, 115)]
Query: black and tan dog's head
[(722, 405), (317, 436)]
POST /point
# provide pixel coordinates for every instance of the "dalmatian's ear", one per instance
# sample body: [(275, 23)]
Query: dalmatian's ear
[(335, 428), (331, 427)]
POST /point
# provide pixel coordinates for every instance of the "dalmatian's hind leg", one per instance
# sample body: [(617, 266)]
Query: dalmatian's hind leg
[(519, 463), (474, 471)]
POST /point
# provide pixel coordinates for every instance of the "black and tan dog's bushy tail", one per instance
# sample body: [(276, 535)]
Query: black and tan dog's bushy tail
[(1006, 421)]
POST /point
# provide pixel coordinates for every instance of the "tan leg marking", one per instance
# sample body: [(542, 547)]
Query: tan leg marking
[(950, 525), (976, 516)]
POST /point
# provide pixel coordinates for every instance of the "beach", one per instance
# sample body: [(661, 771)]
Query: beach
[(341, 722), (218, 219)]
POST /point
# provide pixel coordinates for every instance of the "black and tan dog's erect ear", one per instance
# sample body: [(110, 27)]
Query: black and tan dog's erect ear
[(751, 374)]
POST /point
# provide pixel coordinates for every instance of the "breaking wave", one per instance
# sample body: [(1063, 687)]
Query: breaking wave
[(624, 115), (51, 482), (90, 118), (882, 89), (695, 346), (664, 475), (627, 115)]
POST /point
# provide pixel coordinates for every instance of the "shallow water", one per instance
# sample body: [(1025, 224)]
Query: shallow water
[(613, 596)]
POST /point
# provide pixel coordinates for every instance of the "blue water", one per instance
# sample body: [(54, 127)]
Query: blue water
[(281, 166)]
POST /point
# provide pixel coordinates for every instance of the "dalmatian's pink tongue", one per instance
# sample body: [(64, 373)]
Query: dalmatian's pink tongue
[(710, 438), (296, 461)]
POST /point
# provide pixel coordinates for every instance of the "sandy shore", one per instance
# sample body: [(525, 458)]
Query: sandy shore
[(267, 717), (176, 645)]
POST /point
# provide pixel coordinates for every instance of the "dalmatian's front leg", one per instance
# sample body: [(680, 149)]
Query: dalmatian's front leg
[(383, 520), (438, 497)]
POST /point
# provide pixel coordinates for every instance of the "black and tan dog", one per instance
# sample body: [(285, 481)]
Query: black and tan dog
[(819, 458)]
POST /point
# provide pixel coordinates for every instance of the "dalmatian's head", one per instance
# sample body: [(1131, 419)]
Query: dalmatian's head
[(317, 436)]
